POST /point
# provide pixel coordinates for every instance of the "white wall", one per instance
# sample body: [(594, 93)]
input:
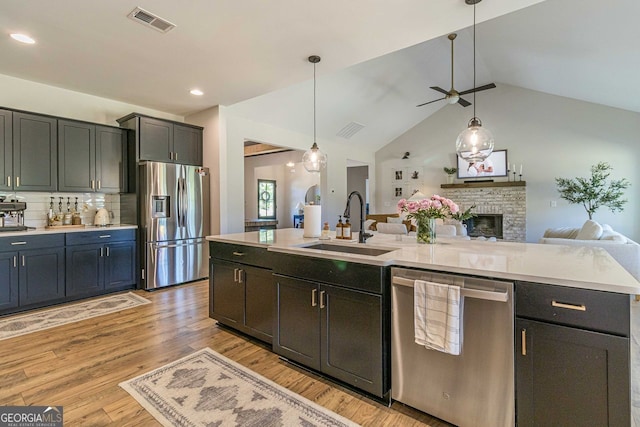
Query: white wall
[(39, 98), (550, 135), (212, 134), (292, 183), (333, 181)]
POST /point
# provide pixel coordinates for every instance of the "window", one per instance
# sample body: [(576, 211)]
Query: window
[(266, 199)]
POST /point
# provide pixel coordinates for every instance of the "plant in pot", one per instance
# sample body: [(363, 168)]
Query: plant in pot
[(450, 174), (595, 192)]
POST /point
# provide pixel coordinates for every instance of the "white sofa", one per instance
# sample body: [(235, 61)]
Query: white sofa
[(621, 248)]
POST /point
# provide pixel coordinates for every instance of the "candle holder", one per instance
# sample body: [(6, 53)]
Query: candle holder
[(514, 176), (520, 179), (508, 172)]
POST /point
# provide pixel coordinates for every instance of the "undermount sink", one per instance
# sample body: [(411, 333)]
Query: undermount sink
[(360, 250)]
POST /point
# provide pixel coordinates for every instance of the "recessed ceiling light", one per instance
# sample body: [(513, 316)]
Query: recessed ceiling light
[(23, 38), (196, 92)]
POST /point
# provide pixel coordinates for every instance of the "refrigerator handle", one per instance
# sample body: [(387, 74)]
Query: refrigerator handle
[(179, 202), (184, 202)]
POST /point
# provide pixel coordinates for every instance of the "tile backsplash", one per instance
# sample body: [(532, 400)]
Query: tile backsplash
[(88, 203)]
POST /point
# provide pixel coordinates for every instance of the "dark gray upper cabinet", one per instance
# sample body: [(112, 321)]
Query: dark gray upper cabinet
[(110, 159), (165, 141), (76, 156), (6, 148), (156, 140), (187, 145), (35, 149), (90, 157)]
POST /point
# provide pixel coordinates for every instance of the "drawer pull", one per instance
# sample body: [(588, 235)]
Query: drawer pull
[(314, 292), (238, 253), (523, 338), (576, 307), (105, 236), (18, 243)]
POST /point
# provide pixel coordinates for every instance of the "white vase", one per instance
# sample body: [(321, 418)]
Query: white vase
[(449, 179)]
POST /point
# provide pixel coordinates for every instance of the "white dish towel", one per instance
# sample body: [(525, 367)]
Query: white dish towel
[(437, 314)]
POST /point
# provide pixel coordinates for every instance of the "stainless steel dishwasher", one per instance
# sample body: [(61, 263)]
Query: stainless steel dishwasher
[(475, 388)]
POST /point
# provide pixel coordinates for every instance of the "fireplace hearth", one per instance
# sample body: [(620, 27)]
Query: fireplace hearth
[(485, 225)]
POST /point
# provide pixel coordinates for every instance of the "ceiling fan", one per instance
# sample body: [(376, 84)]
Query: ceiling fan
[(452, 96)]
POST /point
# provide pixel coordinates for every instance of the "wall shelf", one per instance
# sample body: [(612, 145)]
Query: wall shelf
[(486, 184)]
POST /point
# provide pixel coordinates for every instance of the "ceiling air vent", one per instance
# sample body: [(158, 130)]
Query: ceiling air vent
[(147, 18), (349, 130)]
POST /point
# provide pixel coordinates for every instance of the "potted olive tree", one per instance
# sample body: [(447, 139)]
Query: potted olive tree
[(595, 192)]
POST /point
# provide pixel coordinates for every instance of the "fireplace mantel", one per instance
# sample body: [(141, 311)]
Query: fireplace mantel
[(486, 184)]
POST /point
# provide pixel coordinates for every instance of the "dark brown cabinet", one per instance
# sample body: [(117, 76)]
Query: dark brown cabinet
[(331, 329), (242, 295), (35, 153), (567, 373), (91, 158)]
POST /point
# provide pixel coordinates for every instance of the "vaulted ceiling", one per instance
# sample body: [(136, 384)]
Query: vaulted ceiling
[(378, 57)]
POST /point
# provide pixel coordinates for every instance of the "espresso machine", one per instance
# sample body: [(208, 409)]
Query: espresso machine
[(12, 215)]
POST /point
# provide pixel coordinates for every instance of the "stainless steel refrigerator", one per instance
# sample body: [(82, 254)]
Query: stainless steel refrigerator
[(174, 220)]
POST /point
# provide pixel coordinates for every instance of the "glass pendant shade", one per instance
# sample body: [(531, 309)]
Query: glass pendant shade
[(314, 160), (475, 143)]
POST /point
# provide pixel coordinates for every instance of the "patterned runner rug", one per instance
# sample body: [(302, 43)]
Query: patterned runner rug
[(21, 324), (207, 389)]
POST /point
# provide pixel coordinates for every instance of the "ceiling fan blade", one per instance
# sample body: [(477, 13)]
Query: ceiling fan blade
[(430, 102), (463, 102), (439, 89), (479, 88)]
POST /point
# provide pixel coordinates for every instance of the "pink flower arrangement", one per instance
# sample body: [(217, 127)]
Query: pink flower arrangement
[(433, 207)]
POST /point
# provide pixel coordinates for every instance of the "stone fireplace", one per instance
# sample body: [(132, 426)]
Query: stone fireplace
[(496, 202)]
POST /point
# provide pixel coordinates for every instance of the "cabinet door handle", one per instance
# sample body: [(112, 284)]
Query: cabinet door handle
[(580, 307), (93, 184), (235, 275), (101, 254), (321, 299), (175, 156), (523, 338), (8, 180), (107, 250), (23, 261), (17, 181), (170, 155), (99, 185), (314, 293), (240, 276), (15, 261)]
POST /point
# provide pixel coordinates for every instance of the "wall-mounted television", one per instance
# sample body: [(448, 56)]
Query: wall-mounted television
[(493, 166)]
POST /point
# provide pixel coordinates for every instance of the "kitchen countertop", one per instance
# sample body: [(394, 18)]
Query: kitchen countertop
[(43, 230), (580, 267)]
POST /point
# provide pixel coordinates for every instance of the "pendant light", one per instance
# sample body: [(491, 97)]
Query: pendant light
[(475, 143), (313, 159)]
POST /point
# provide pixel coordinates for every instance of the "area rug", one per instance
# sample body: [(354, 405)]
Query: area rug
[(207, 389), (14, 326)]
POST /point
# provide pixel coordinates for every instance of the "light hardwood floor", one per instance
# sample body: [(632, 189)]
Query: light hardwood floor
[(79, 365)]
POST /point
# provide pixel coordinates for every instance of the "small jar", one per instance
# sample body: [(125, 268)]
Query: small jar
[(66, 220), (76, 219)]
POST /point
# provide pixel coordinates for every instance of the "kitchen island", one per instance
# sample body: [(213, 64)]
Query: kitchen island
[(578, 269)]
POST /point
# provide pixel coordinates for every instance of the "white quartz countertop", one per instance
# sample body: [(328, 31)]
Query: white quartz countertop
[(43, 230), (580, 267)]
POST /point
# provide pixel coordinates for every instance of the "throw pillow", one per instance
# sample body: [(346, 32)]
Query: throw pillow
[(394, 220), (590, 230), (613, 236)]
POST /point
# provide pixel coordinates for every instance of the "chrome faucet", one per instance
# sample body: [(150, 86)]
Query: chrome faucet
[(362, 236)]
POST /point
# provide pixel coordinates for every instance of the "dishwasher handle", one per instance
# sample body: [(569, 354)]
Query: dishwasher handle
[(465, 292)]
